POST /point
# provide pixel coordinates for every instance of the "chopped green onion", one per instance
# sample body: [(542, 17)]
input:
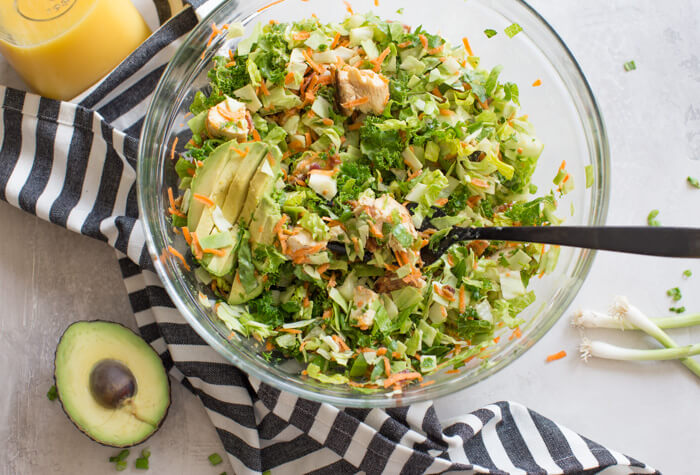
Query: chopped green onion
[(490, 33), (630, 66), (141, 463), (400, 12), (120, 456), (677, 309), (120, 465), (145, 453), (589, 176), (513, 30), (53, 393), (675, 294), (687, 273), (692, 181), (651, 221), (215, 459)]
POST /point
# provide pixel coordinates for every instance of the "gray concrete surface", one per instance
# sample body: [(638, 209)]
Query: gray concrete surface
[(50, 277)]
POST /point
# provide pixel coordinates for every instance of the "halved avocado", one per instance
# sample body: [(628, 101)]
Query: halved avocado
[(111, 383)]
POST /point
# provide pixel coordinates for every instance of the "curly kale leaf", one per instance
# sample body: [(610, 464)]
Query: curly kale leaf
[(382, 148)]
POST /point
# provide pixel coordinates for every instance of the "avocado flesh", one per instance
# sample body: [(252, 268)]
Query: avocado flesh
[(205, 181), (241, 180), (261, 185), (238, 294), (84, 345), (266, 217)]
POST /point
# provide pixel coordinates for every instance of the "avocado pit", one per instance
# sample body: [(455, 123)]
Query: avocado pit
[(112, 383)]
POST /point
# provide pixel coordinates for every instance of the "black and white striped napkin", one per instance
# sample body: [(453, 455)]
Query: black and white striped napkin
[(72, 163)]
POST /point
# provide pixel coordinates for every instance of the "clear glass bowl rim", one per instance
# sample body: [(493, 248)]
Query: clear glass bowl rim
[(148, 207)]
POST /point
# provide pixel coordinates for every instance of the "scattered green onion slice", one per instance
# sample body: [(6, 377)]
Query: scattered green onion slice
[(141, 463), (120, 456), (589, 175), (675, 294), (490, 33), (677, 309), (692, 181), (53, 393), (651, 218), (120, 465), (687, 273), (400, 12), (513, 30), (215, 459), (630, 66)]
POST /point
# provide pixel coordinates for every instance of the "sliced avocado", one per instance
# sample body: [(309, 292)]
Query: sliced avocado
[(217, 240), (266, 217), (111, 383), (205, 181), (222, 265), (241, 180), (198, 123), (260, 185), (239, 295)]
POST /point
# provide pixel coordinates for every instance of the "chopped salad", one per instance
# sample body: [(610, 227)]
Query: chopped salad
[(323, 158)]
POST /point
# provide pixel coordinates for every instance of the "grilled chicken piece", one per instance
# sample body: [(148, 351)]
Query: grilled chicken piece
[(227, 119), (355, 84)]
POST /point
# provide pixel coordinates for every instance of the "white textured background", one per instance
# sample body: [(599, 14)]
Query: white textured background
[(50, 277)]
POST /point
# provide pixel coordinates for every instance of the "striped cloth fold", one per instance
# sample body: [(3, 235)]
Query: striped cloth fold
[(72, 163)]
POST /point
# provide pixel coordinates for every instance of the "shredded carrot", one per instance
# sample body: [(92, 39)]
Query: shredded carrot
[(563, 165), (566, 178), (355, 126), (186, 234), (443, 311), (480, 183), (520, 150), (256, 135), (467, 46), (405, 44), (203, 199), (436, 50), (341, 343), (556, 356), (216, 252), (436, 92), (348, 7), (516, 334), (423, 41), (537, 83), (269, 347), (356, 102), (447, 112), (177, 254), (269, 5), (376, 3), (289, 78), (336, 38), (427, 383), (230, 63), (396, 377), (315, 66), (300, 35), (263, 88), (327, 121), (380, 59), (177, 212), (241, 153), (289, 330), (381, 351), (462, 299), (172, 150), (171, 199), (197, 247), (387, 367), (452, 371)]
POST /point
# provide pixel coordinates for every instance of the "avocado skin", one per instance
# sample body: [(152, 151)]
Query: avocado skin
[(167, 408)]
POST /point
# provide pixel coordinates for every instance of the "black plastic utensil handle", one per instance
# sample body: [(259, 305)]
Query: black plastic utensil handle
[(652, 241)]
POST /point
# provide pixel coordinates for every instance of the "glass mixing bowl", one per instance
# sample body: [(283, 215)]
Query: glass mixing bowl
[(563, 110)]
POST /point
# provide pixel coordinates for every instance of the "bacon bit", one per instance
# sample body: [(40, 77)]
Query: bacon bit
[(380, 59), (516, 334), (423, 41), (172, 150), (427, 383), (537, 83), (380, 351), (289, 330), (315, 66), (387, 367), (436, 50), (300, 35), (480, 183), (203, 199), (355, 126), (348, 7), (216, 252), (269, 5), (452, 371), (462, 299), (356, 102), (447, 112), (336, 38), (396, 377), (177, 254), (467, 46), (241, 153), (556, 356)]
